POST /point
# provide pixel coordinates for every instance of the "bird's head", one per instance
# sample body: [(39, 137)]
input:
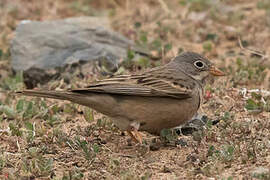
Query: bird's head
[(196, 66)]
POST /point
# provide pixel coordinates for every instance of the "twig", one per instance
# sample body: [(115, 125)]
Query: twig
[(164, 6), (13, 154), (18, 145), (6, 92), (244, 92), (107, 148), (70, 145), (258, 53), (4, 130), (34, 129), (125, 155)]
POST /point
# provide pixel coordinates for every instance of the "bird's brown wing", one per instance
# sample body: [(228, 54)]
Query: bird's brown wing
[(152, 83)]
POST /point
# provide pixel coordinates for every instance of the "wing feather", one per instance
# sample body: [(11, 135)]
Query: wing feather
[(152, 83)]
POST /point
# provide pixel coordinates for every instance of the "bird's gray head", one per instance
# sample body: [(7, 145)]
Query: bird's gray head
[(195, 66)]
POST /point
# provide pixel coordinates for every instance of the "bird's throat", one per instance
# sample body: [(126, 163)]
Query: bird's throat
[(201, 77)]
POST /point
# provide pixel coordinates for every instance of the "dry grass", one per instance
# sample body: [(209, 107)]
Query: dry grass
[(47, 139)]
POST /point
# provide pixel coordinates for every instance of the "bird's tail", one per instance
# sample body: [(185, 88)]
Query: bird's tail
[(62, 95), (99, 102), (75, 97)]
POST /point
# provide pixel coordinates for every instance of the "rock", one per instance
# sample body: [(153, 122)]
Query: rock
[(198, 122), (195, 124), (261, 173), (197, 16), (50, 44), (182, 142), (230, 32), (155, 144), (166, 169)]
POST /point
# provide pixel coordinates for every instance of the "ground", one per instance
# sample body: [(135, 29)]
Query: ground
[(49, 139)]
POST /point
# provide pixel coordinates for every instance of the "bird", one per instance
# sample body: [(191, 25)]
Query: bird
[(159, 98)]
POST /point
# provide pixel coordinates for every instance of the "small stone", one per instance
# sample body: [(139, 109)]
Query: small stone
[(192, 158), (261, 173), (166, 169), (103, 141), (143, 149), (154, 147), (155, 144), (129, 142), (181, 142)]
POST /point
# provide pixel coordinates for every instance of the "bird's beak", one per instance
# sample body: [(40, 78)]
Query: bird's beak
[(215, 71)]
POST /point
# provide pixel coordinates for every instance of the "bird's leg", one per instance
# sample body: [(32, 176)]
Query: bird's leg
[(134, 133), (135, 136)]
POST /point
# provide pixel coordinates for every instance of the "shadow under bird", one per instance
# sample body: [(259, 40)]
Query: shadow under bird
[(162, 97)]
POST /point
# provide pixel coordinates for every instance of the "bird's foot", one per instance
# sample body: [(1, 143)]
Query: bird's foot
[(135, 136)]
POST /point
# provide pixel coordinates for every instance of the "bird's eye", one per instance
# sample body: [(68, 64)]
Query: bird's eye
[(199, 64)]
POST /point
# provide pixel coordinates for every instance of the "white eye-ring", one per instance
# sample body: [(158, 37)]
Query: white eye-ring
[(199, 64)]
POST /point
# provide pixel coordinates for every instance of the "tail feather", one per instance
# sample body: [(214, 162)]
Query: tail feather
[(100, 102), (62, 95)]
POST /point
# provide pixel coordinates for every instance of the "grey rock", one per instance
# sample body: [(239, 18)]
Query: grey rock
[(50, 44), (197, 122)]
